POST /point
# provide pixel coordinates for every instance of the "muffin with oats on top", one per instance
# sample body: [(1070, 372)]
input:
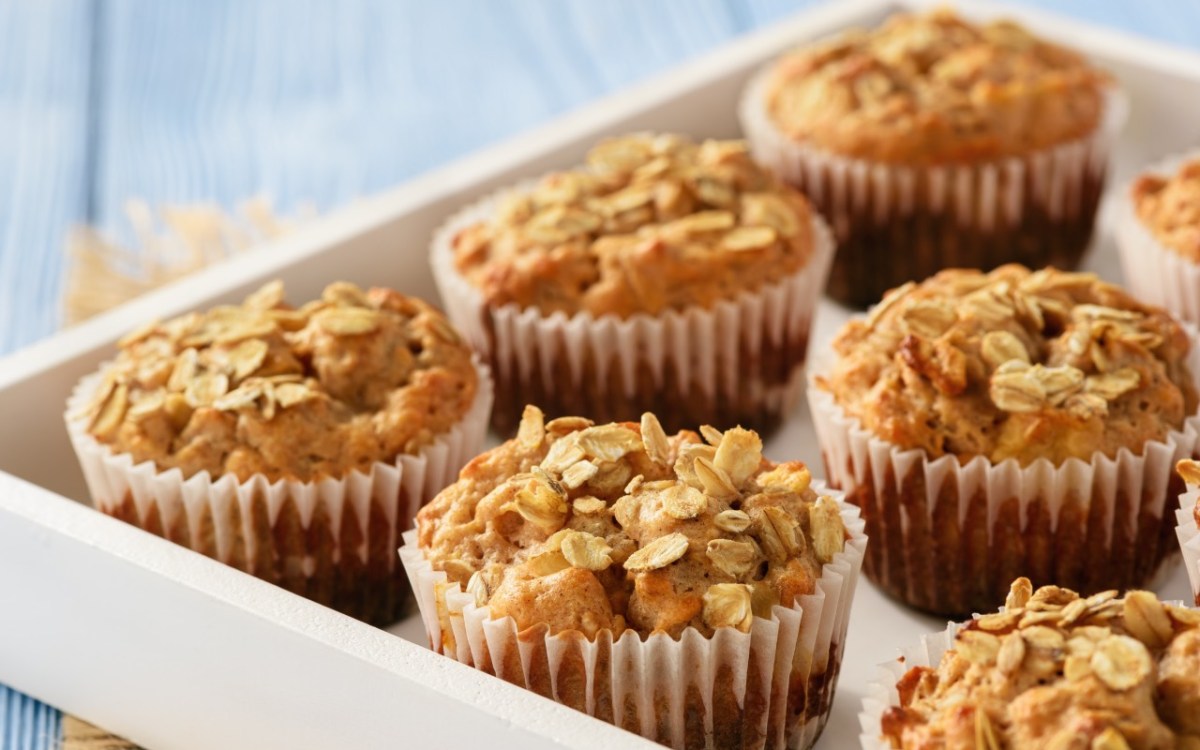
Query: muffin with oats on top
[(618, 570), (293, 443), (934, 142), (1017, 422), (663, 275)]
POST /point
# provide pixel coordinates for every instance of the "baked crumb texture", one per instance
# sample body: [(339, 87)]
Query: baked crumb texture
[(1010, 423), (1052, 671), (1158, 234), (662, 275), (293, 443), (932, 142), (682, 587), (1187, 518)]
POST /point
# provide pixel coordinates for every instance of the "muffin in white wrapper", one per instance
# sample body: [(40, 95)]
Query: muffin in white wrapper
[(690, 591), (1154, 272), (896, 221), (949, 533), (330, 536), (723, 360), (1044, 671), (771, 687), (1188, 533)]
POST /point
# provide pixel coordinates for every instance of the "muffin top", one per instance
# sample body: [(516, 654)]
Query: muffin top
[(264, 388), (1053, 670), (933, 88), (651, 223), (1013, 364), (1169, 207), (609, 527)]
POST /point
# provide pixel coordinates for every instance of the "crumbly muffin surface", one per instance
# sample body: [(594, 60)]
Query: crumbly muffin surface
[(1169, 207), (1060, 672), (609, 527), (1014, 364), (264, 388), (931, 88), (651, 223)]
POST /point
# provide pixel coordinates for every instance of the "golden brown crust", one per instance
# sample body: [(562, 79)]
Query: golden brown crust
[(591, 528), (933, 88), (1014, 364), (1054, 670), (266, 389), (652, 223), (1169, 207)]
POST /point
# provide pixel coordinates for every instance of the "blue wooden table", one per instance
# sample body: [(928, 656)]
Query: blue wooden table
[(105, 101)]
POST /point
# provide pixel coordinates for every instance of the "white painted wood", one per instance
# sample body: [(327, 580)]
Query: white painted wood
[(173, 650)]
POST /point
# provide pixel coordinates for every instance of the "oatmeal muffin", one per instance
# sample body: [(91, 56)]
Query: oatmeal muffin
[(288, 442), (1158, 234), (626, 559), (1051, 670), (1187, 519), (932, 142), (1008, 423), (662, 274)]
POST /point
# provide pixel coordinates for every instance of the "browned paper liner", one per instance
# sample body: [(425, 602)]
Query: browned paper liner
[(896, 223), (739, 362), (769, 688), (331, 540), (1189, 537), (949, 538), (1154, 273)]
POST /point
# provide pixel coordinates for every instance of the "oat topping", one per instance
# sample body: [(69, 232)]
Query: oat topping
[(1056, 670), (1014, 364), (933, 87), (263, 388), (651, 223), (695, 534), (1169, 207)]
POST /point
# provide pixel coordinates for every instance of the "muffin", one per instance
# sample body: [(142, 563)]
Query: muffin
[(295, 444), (1051, 670), (1188, 523), (1017, 422), (1158, 234), (662, 275), (932, 142), (687, 590)]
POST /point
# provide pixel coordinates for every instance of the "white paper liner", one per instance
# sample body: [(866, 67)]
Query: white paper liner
[(810, 635), (853, 455), (1189, 537), (701, 346), (1154, 273), (229, 505), (985, 195)]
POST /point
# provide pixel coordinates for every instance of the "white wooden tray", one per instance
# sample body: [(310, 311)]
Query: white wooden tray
[(171, 649)]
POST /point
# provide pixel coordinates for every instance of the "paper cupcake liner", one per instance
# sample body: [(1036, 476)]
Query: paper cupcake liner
[(896, 223), (331, 540), (739, 362), (1155, 273), (769, 688), (881, 693), (949, 538), (1189, 537)]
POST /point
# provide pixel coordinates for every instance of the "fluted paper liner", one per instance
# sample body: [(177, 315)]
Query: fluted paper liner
[(895, 223), (739, 362), (1154, 273), (769, 688), (949, 538), (1189, 537), (331, 540)]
